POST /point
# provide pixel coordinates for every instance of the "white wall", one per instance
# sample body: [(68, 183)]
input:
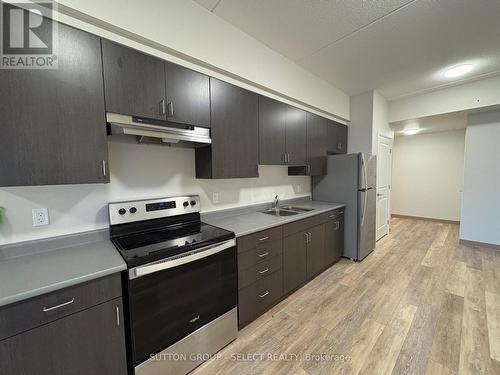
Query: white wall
[(427, 175), (369, 118), (481, 199), (472, 95), (137, 171), (184, 32), (361, 127)]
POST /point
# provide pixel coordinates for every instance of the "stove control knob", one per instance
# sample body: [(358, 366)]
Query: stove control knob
[(193, 203), (185, 204), (122, 211), (133, 210)]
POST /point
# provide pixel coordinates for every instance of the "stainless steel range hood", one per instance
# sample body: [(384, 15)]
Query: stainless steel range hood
[(158, 131)]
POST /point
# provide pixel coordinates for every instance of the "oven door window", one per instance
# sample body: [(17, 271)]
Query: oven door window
[(168, 305)]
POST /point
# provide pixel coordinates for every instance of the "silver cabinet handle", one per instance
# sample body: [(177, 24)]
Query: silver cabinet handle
[(264, 254), (162, 107), (171, 109), (308, 168), (117, 316), (194, 319), (265, 294), (332, 216), (287, 157), (264, 271), (264, 238), (47, 309), (306, 237), (337, 225), (104, 168)]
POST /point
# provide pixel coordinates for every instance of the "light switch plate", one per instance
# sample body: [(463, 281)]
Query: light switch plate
[(40, 216)]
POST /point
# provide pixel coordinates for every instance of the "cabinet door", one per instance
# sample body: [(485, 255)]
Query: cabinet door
[(296, 136), (272, 115), (134, 83), (53, 121), (294, 261), (334, 240), (89, 342), (235, 139), (337, 138), (317, 128), (316, 251), (188, 96)]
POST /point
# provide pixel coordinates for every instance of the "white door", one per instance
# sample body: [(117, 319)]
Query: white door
[(384, 168)]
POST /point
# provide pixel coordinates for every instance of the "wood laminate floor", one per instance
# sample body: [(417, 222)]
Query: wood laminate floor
[(419, 304)]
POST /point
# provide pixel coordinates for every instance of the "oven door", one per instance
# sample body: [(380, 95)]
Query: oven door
[(174, 297)]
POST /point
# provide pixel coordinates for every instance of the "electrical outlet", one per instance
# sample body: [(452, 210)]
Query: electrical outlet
[(40, 216), (215, 197)]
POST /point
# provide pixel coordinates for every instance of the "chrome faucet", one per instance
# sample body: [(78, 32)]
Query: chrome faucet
[(276, 203)]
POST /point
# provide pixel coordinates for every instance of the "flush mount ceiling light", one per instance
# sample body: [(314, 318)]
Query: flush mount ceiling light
[(458, 71), (410, 131)]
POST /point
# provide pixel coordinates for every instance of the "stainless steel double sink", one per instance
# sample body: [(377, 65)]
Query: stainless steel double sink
[(286, 211)]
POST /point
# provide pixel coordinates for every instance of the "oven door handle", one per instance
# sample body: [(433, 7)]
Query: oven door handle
[(177, 260)]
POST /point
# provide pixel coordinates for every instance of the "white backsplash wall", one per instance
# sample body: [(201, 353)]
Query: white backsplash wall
[(137, 171)]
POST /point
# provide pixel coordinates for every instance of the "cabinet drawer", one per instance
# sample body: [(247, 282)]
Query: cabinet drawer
[(258, 297), (34, 312), (331, 215), (301, 225), (260, 253), (248, 242), (259, 271)]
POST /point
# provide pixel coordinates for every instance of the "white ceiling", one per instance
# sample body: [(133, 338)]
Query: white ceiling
[(398, 47), (433, 124)]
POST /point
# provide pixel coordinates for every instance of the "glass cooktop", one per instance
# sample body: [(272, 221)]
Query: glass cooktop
[(148, 246)]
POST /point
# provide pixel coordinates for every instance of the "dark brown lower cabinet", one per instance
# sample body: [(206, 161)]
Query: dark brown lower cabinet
[(274, 262), (334, 239), (89, 342), (294, 261), (316, 251)]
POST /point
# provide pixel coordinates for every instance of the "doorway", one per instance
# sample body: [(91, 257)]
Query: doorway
[(384, 174)]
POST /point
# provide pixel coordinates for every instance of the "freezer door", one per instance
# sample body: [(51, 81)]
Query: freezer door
[(366, 222), (367, 171)]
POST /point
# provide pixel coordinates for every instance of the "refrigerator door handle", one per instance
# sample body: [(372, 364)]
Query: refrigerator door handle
[(365, 193), (363, 167)]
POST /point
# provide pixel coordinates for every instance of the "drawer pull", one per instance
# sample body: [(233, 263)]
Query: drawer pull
[(47, 309), (332, 216), (264, 271), (263, 295), (194, 319), (264, 254), (264, 238)]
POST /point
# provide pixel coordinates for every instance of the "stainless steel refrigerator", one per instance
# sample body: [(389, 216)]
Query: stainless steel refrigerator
[(351, 179)]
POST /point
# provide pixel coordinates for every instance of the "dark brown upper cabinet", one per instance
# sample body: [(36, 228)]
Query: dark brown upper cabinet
[(234, 130), (272, 115), (134, 83), (296, 136), (188, 96), (282, 133), (53, 123), (337, 138), (317, 130)]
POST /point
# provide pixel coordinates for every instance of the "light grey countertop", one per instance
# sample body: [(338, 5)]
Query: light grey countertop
[(247, 220), (32, 268)]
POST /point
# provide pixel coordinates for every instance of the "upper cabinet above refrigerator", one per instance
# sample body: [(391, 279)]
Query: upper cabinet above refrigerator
[(138, 84)]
